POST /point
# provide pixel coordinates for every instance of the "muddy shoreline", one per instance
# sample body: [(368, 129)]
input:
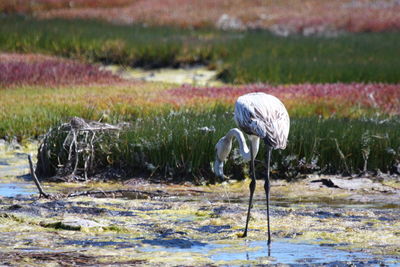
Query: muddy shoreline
[(318, 220), (194, 225)]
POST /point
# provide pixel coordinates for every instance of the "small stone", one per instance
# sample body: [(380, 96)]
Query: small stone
[(74, 224)]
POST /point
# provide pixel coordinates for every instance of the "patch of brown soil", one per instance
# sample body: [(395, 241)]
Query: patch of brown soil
[(61, 258)]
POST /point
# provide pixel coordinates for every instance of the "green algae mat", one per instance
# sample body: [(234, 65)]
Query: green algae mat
[(189, 225)]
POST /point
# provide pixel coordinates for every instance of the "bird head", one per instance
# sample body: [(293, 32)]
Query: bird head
[(222, 149), (218, 168)]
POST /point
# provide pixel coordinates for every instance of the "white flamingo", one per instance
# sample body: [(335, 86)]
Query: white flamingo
[(260, 116)]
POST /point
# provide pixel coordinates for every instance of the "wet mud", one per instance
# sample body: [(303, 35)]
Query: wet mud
[(319, 221), (312, 224)]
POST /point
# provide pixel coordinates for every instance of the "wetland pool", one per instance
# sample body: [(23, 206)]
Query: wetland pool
[(281, 251), (192, 225), (14, 169), (16, 188), (197, 76)]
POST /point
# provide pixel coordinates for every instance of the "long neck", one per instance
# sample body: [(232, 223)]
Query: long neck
[(224, 146), (243, 148)]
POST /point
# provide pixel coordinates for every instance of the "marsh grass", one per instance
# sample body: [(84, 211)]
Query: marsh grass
[(168, 140), (101, 42), (29, 111), (339, 145), (179, 145), (240, 57)]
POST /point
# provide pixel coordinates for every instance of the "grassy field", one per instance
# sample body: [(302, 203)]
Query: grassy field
[(342, 94), (180, 145), (240, 57), (173, 130)]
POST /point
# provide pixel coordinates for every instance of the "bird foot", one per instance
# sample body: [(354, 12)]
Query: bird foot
[(242, 235)]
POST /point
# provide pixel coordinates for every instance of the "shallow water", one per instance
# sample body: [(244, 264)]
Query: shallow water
[(200, 76), (281, 251), (189, 229), (285, 252), (14, 169), (15, 189), (293, 253)]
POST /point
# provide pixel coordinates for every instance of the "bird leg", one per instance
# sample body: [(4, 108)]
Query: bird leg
[(252, 187), (267, 187)]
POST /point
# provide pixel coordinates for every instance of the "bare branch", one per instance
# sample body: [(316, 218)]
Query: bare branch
[(35, 179)]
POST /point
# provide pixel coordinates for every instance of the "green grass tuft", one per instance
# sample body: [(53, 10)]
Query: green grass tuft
[(180, 144)]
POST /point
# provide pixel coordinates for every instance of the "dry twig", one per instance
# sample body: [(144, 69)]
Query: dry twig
[(75, 150), (35, 179)]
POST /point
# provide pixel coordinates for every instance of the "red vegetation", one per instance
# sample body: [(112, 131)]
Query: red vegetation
[(283, 17), (29, 6), (31, 69), (385, 97)]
